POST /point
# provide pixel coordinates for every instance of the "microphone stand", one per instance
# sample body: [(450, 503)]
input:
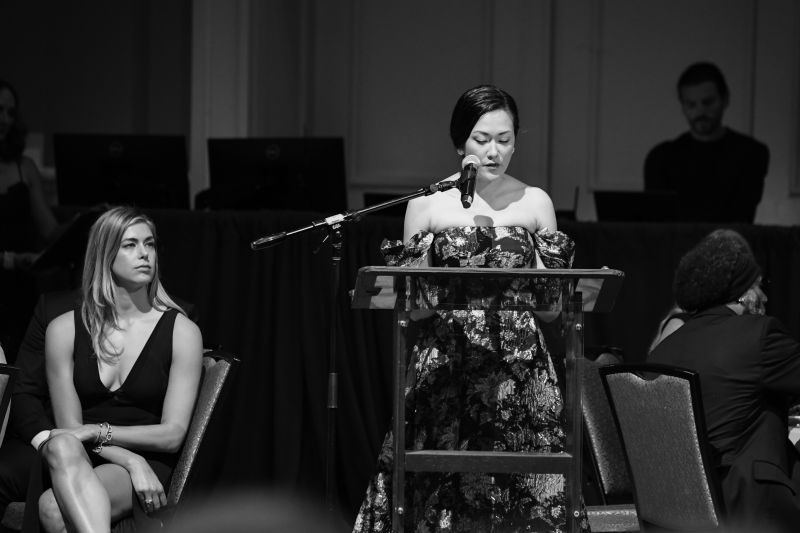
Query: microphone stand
[(333, 225)]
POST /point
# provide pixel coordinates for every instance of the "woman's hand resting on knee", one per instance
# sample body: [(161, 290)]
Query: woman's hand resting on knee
[(146, 484)]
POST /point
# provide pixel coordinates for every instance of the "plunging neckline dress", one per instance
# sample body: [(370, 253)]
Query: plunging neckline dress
[(137, 402)]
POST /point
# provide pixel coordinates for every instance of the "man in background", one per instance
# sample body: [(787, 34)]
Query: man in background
[(717, 173)]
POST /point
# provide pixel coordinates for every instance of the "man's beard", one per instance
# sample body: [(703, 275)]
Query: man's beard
[(705, 125)]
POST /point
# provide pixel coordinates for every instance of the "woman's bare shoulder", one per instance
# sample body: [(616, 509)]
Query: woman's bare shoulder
[(61, 330), (66, 319), (186, 331), (539, 204)]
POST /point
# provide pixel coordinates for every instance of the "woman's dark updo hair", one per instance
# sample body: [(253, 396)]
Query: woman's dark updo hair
[(475, 103)]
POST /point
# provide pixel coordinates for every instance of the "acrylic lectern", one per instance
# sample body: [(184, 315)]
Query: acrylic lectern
[(568, 292)]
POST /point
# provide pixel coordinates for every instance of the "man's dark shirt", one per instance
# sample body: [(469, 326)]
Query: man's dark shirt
[(716, 181)]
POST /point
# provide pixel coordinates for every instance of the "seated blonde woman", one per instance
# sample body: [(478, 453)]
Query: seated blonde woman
[(123, 376)]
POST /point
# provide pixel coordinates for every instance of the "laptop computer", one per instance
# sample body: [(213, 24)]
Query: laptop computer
[(143, 170), (300, 173), (636, 206)]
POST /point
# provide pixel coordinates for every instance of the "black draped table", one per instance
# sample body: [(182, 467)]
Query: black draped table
[(270, 308)]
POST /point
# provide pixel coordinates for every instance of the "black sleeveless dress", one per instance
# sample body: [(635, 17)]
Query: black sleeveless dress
[(138, 401)]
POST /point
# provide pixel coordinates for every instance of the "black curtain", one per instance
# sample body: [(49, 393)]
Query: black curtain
[(271, 309)]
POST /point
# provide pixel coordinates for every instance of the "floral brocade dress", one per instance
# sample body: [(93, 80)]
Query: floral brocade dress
[(477, 380)]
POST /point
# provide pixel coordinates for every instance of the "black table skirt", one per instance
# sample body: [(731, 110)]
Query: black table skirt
[(270, 308)]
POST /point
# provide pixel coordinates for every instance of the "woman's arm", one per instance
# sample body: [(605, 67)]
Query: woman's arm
[(43, 217), (184, 378), (146, 484), (542, 206), (58, 346), (417, 217)]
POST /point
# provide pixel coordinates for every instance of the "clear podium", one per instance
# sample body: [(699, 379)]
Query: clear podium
[(566, 292)]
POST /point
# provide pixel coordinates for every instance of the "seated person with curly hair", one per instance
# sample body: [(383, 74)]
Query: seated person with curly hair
[(749, 368)]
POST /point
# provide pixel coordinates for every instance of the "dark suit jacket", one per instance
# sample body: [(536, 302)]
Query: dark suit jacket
[(749, 369), (30, 403)]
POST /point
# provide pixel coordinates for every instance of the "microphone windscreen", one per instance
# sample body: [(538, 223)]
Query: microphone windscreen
[(471, 159)]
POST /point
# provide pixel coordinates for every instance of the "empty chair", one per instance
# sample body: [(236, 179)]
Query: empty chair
[(659, 414), (605, 457)]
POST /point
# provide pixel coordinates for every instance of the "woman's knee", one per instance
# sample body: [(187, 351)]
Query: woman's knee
[(50, 512), (63, 450)]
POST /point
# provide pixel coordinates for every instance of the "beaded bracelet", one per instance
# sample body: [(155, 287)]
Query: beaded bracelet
[(102, 440)]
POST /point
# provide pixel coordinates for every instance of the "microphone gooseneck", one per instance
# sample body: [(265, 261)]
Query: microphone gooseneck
[(466, 183)]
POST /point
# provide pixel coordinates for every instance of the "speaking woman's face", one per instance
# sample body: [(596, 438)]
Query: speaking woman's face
[(492, 141)]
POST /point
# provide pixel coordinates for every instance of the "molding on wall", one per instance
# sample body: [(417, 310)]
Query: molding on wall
[(548, 56), (794, 106), (243, 66), (221, 44), (201, 88), (751, 32), (306, 44), (488, 63), (595, 83), (352, 155), (596, 13)]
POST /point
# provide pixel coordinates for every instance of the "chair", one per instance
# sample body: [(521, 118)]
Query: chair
[(605, 459), (659, 414), (8, 376), (217, 369)]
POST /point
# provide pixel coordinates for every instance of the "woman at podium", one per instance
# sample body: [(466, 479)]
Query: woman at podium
[(479, 380)]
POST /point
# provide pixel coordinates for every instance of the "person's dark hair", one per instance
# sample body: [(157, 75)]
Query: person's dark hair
[(475, 103), (698, 73), (718, 270), (13, 145)]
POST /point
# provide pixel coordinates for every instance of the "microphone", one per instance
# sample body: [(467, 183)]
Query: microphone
[(466, 183)]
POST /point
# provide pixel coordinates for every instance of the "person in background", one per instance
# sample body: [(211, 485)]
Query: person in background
[(30, 414), (749, 369), (26, 222), (122, 373), (717, 173), (675, 318)]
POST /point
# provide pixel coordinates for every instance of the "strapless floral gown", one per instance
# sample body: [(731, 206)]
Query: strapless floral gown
[(477, 380)]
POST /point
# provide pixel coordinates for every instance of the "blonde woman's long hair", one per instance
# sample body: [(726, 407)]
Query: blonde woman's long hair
[(98, 310)]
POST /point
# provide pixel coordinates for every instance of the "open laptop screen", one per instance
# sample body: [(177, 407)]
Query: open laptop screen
[(141, 170), (301, 173), (636, 206)]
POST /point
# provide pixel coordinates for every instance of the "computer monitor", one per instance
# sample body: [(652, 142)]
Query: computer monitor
[(300, 173), (148, 171), (636, 206)]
